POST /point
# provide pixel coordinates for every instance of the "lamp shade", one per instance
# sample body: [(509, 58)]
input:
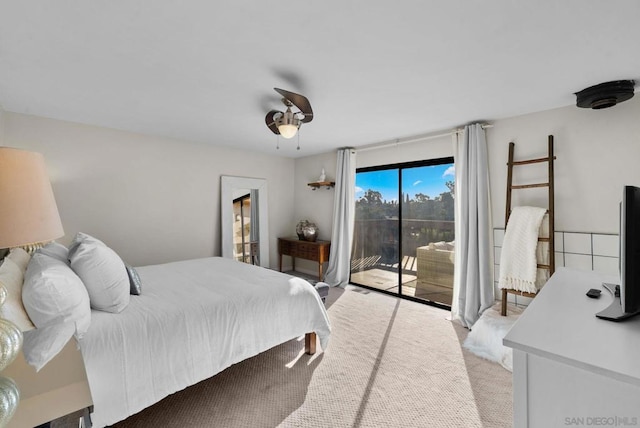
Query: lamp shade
[(28, 211), (288, 130)]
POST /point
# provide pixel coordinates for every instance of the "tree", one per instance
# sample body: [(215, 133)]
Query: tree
[(372, 197), (422, 198), (370, 206), (452, 187)]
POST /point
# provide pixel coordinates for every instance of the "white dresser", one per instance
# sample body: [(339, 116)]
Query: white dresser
[(569, 367)]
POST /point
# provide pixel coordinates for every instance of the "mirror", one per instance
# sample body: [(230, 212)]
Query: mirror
[(245, 223)]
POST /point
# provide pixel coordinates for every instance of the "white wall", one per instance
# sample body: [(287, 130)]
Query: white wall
[(421, 150), (2, 113), (312, 205), (598, 151), (152, 199), (155, 199)]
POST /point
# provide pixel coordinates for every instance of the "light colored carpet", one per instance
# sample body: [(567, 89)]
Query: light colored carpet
[(389, 363)]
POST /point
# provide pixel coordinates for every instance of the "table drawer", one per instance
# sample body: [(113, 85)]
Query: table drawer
[(286, 247), (311, 254), (314, 251), (305, 248)]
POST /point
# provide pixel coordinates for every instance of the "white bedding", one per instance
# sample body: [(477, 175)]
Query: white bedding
[(193, 319)]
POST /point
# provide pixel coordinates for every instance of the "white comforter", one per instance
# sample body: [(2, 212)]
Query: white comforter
[(193, 319)]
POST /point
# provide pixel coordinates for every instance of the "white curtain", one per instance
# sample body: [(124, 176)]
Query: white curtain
[(343, 218), (473, 277)]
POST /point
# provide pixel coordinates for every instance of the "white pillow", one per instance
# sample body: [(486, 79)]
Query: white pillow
[(20, 257), (12, 278), (42, 344), (53, 293), (102, 271), (56, 250)]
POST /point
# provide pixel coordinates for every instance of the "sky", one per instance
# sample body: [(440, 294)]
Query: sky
[(429, 180)]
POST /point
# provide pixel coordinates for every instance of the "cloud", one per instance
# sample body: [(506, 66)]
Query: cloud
[(450, 171), (359, 190), (417, 182)]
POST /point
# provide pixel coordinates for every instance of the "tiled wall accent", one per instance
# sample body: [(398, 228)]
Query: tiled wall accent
[(578, 250)]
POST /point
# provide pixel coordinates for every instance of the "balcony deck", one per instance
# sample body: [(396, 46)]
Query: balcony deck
[(371, 272)]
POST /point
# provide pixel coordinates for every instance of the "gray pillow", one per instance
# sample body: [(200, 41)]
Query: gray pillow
[(135, 285)]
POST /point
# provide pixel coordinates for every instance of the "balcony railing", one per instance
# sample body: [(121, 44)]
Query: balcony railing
[(375, 242)]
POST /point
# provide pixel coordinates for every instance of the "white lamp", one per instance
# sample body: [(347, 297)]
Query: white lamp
[(28, 217), (28, 210)]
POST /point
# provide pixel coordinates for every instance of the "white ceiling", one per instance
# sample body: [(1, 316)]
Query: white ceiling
[(374, 71)]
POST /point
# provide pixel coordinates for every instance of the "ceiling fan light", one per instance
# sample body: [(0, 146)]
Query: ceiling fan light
[(288, 130), (288, 124)]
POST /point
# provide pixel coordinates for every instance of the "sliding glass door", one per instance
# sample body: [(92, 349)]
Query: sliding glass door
[(376, 243), (404, 230)]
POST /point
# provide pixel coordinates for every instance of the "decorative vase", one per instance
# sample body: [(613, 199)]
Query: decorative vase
[(299, 229), (307, 231), (9, 399), (10, 342), (310, 232), (3, 294), (323, 176)]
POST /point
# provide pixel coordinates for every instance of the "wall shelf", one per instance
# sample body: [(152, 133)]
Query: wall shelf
[(319, 184)]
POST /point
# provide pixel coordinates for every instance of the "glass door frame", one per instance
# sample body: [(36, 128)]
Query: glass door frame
[(400, 167)]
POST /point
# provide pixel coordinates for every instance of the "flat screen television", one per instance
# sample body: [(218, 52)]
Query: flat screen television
[(626, 301)]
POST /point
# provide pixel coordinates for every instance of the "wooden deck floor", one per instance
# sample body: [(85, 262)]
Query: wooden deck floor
[(372, 273), (409, 264)]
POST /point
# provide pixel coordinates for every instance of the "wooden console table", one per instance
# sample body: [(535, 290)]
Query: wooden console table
[(317, 251)]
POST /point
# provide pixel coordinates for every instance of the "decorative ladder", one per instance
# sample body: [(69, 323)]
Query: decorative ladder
[(549, 184)]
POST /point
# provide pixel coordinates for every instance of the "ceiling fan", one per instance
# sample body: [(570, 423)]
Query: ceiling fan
[(287, 123)]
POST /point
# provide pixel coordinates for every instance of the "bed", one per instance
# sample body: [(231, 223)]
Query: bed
[(160, 328), (192, 320)]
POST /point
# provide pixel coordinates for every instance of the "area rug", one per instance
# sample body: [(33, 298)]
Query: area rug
[(485, 338)]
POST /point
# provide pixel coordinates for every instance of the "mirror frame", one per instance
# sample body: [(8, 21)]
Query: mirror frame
[(228, 184)]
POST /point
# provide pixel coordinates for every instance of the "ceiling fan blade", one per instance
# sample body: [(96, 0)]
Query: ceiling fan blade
[(271, 121), (299, 101)]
